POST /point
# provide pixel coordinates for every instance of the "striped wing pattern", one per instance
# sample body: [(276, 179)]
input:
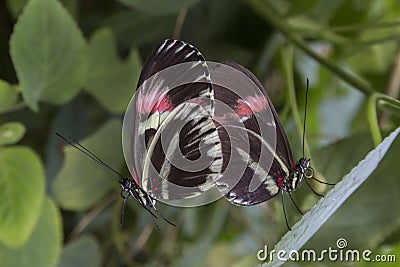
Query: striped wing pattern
[(185, 156), (265, 162), (174, 76)]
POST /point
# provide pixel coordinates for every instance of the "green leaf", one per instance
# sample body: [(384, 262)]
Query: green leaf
[(8, 96), (111, 81), (324, 209), (11, 133), (48, 52), (82, 181), (43, 247), (159, 6), (22, 191), (363, 227), (84, 251), (128, 27)]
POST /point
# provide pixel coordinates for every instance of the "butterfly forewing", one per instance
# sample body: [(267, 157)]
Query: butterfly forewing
[(174, 73), (259, 144)]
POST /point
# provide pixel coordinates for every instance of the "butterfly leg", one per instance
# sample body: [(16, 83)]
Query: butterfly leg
[(312, 189), (284, 211)]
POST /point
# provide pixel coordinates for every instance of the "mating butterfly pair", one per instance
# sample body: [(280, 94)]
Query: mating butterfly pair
[(194, 126)]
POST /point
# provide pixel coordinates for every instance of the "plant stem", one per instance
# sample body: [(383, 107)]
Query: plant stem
[(265, 10)]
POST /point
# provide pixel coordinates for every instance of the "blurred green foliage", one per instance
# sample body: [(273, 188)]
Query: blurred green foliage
[(71, 66)]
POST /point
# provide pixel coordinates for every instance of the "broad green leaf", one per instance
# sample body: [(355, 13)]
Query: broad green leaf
[(48, 52), (11, 133), (363, 227), (43, 247), (324, 209), (22, 191), (82, 181), (111, 81), (84, 251), (159, 6), (8, 96), (129, 31)]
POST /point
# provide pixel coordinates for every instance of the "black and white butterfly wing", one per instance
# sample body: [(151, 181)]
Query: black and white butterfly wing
[(282, 144), (256, 154), (185, 156), (174, 74)]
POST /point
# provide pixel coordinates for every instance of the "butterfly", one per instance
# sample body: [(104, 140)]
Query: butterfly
[(257, 158), (170, 141)]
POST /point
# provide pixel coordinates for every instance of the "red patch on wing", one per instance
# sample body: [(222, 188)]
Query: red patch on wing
[(153, 102), (135, 176), (163, 105), (280, 181), (242, 109), (250, 105)]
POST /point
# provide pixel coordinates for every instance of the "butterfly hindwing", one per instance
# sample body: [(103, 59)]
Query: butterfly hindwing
[(252, 138)]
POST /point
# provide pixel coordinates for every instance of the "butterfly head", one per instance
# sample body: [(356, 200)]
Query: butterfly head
[(129, 188), (126, 187), (302, 171)]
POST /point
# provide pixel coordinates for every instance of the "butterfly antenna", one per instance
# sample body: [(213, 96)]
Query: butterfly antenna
[(87, 152), (305, 115)]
